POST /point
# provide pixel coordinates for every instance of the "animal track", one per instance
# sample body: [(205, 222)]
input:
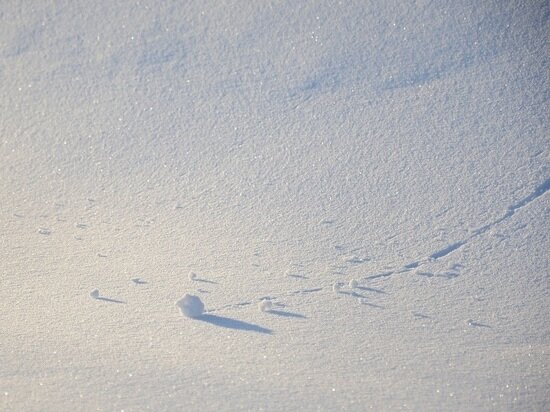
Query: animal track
[(447, 250)]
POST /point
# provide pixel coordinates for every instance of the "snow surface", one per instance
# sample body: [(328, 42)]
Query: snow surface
[(277, 148)]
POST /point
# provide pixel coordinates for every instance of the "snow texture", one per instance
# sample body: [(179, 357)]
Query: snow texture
[(190, 306), (402, 144)]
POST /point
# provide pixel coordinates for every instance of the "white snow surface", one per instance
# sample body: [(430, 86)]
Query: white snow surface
[(276, 148)]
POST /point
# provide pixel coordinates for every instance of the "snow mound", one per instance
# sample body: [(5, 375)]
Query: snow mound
[(336, 287), (192, 276), (353, 284), (191, 306), (94, 293), (265, 305)]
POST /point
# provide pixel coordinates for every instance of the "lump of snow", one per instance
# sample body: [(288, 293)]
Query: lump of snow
[(191, 306), (353, 283), (192, 276), (336, 287), (94, 293), (265, 305)]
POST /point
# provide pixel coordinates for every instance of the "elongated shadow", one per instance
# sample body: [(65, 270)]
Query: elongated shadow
[(287, 314), (109, 300), (374, 305), (381, 275), (478, 324), (234, 324), (372, 290), (421, 315), (298, 276)]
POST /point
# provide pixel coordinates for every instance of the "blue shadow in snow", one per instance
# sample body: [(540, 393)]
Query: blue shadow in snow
[(286, 314), (478, 324), (234, 324), (104, 299), (372, 290)]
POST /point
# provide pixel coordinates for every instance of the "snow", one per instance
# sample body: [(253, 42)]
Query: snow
[(276, 149), (265, 305), (190, 306)]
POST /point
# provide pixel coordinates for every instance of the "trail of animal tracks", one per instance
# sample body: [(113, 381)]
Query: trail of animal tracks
[(353, 195)]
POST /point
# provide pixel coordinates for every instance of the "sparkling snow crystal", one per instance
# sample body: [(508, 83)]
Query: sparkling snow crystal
[(191, 306)]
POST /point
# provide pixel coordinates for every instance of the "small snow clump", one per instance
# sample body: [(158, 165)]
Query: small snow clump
[(336, 287), (353, 283), (192, 276), (191, 306), (94, 293), (265, 305)]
